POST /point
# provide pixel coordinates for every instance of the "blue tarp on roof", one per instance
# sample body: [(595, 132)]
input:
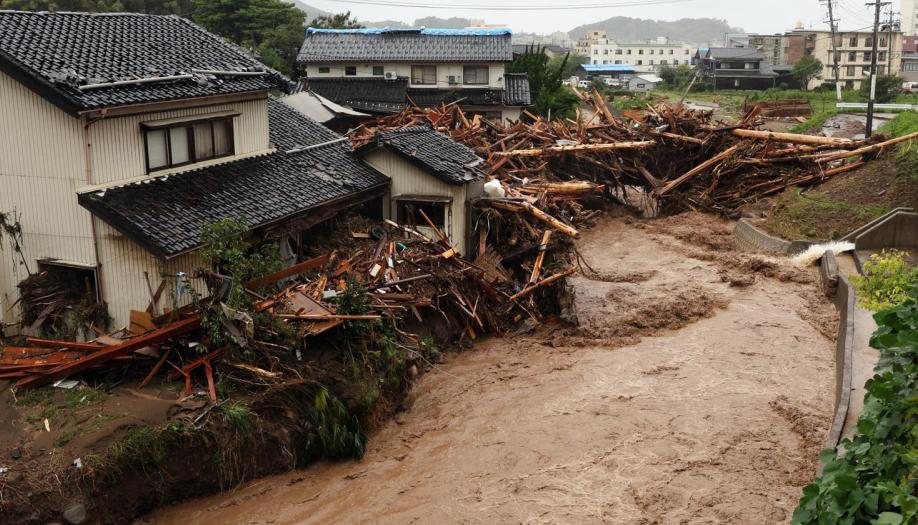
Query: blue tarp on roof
[(608, 68), (422, 31)]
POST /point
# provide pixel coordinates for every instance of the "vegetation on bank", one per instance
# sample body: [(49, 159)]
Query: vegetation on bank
[(875, 477), (888, 278)]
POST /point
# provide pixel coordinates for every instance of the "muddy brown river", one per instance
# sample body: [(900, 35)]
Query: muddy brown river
[(697, 390)]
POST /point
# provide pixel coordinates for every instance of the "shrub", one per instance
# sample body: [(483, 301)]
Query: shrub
[(886, 282)]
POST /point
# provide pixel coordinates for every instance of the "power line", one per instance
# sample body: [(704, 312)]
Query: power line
[(491, 7)]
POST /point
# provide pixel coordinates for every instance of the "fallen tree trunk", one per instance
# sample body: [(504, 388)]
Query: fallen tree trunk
[(866, 149), (698, 170), (791, 138), (577, 148)]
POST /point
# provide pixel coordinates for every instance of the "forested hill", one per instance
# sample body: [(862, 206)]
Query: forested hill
[(623, 28)]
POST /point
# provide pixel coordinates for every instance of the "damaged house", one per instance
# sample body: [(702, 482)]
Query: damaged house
[(122, 134), (383, 70)]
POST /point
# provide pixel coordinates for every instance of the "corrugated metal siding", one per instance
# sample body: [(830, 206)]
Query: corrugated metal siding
[(123, 264), (117, 146), (408, 179), (41, 165)]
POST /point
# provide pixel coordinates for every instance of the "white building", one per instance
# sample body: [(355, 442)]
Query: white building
[(909, 13), (646, 57)]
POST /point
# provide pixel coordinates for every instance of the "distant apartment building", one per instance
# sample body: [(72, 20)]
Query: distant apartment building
[(909, 11), (854, 55), (773, 47), (592, 37), (645, 57)]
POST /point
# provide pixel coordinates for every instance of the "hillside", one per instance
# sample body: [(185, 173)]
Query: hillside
[(311, 12), (624, 28)]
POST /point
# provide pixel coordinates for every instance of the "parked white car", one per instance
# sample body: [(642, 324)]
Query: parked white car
[(584, 84)]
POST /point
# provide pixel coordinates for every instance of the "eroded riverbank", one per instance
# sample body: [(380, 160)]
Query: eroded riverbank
[(716, 418)]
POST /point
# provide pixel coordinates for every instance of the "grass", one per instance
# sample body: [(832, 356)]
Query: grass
[(89, 426), (907, 152), (815, 122), (239, 416), (800, 215)]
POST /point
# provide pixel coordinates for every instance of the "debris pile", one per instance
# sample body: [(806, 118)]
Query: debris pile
[(780, 108), (389, 274), (682, 157)]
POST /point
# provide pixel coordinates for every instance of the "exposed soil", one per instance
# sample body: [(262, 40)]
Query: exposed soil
[(682, 399)]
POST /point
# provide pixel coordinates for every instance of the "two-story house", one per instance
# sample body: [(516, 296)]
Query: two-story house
[(735, 68), (122, 134), (383, 70)]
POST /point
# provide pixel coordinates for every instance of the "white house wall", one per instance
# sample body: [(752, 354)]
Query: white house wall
[(117, 145), (444, 71), (409, 179), (123, 263), (41, 167)]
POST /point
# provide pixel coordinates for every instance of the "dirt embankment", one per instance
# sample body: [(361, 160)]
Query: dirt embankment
[(684, 397)]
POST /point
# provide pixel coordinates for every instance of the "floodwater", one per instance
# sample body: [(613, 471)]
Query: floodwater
[(716, 417)]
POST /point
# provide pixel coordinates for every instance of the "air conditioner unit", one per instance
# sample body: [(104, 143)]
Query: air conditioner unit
[(453, 80), (390, 75)]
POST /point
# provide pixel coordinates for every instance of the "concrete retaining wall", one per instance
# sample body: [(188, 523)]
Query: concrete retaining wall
[(749, 237)]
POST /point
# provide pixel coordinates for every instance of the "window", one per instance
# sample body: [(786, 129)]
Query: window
[(883, 42), (640, 62), (881, 56), (629, 52), (408, 213), (618, 51), (868, 56), (475, 75), (605, 61), (605, 51), (686, 52), (664, 62), (670, 51), (853, 41), (324, 70), (868, 42), (640, 51), (350, 71), (188, 142), (650, 63), (377, 71), (424, 75), (850, 71), (852, 56), (618, 61), (595, 51), (651, 51)]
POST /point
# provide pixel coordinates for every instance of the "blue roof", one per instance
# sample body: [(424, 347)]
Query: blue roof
[(610, 68), (423, 31)]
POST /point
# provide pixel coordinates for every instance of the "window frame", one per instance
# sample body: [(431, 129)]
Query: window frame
[(381, 69), (189, 137), (350, 71), (324, 70), (422, 83), (487, 73)]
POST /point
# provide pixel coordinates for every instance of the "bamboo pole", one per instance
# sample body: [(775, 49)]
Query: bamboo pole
[(544, 282)]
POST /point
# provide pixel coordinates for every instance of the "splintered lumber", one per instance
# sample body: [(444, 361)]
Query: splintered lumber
[(322, 317), (577, 148), (540, 259), (698, 169), (544, 282), (791, 138), (150, 338), (296, 269), (70, 345), (866, 149)]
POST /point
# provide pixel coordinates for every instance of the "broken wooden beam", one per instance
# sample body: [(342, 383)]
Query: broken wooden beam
[(544, 282), (290, 271), (698, 170), (159, 335), (791, 138), (866, 149)]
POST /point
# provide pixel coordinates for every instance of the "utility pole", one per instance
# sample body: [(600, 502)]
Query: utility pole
[(835, 67), (873, 64), (891, 26)]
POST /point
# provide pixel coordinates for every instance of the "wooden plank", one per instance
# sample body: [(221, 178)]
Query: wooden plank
[(548, 280), (70, 345), (156, 369), (296, 269), (577, 148), (697, 170), (156, 336)]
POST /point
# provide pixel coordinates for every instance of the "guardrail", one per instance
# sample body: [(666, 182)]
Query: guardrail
[(863, 105)]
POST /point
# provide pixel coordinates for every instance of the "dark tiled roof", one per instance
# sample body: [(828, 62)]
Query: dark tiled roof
[(390, 96), (55, 54), (442, 156), (412, 45), (371, 94), (165, 214), (517, 89), (735, 53)]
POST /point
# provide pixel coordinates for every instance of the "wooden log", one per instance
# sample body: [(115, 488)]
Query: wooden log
[(156, 336), (867, 149), (697, 170), (544, 282), (538, 214), (322, 317), (563, 188), (578, 148), (791, 138), (70, 345)]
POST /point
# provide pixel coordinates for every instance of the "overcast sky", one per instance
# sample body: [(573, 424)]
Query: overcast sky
[(759, 16)]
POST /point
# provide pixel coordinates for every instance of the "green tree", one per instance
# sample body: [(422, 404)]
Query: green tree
[(550, 98), (567, 64), (677, 77), (888, 87), (337, 21), (272, 29), (806, 69)]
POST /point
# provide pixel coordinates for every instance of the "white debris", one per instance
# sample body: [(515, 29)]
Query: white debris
[(494, 189)]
